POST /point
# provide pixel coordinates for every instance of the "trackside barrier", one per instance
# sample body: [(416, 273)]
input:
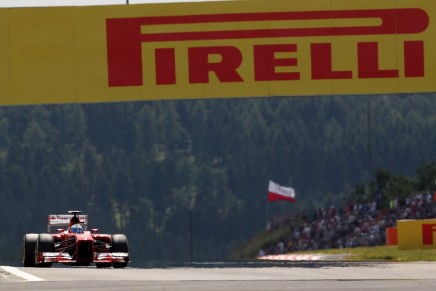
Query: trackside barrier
[(416, 234), (391, 236)]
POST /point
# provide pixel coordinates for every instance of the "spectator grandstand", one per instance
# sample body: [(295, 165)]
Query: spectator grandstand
[(352, 225)]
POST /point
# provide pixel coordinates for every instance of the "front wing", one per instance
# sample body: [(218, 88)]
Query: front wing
[(61, 257)]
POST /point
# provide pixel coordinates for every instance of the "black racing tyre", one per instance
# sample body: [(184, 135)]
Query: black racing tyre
[(120, 265), (103, 265), (45, 243), (29, 248), (120, 245)]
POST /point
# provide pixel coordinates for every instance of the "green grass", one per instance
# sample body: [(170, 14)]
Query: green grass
[(250, 249), (382, 253)]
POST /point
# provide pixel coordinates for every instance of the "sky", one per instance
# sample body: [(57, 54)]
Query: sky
[(39, 3)]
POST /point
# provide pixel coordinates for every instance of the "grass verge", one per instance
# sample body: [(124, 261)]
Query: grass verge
[(250, 249), (381, 253)]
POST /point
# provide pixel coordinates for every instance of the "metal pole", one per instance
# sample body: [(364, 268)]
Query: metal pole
[(267, 215), (190, 237), (368, 109)]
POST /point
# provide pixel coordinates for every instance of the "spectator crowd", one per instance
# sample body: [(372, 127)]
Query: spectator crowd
[(352, 225)]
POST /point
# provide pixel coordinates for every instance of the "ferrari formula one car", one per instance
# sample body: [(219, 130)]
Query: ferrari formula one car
[(74, 245)]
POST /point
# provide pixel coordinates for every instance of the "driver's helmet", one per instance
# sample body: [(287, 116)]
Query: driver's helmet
[(77, 228)]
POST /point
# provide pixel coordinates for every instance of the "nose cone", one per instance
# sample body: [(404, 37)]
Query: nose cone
[(84, 236)]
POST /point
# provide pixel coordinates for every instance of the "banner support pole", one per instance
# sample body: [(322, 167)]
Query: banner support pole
[(267, 215)]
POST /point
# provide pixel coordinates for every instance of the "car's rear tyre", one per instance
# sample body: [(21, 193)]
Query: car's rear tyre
[(29, 248), (120, 245), (45, 243)]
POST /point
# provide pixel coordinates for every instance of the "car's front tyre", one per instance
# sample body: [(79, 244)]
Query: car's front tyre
[(44, 243), (103, 265), (29, 249), (119, 245)]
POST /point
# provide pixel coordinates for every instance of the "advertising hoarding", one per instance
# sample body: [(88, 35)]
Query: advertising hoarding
[(222, 49)]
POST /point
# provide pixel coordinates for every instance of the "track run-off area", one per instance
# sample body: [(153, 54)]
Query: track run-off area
[(278, 275)]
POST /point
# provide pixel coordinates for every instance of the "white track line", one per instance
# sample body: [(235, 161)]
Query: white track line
[(21, 274), (291, 257)]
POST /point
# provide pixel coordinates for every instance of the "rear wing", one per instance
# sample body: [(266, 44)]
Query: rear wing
[(63, 221)]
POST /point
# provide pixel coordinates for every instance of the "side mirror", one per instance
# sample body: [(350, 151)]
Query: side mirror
[(94, 230), (59, 230)]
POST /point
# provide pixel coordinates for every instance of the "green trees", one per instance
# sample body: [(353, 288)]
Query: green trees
[(140, 168)]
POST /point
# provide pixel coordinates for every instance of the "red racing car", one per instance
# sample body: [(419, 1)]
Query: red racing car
[(75, 245)]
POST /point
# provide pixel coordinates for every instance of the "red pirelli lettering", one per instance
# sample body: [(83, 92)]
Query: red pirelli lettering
[(414, 59), (225, 69), (369, 62), (125, 38), (265, 62), (165, 65), (321, 55)]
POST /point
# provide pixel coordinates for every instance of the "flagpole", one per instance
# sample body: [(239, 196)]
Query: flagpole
[(267, 214), (267, 210)]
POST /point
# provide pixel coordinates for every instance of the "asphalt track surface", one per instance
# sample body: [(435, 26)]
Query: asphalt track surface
[(250, 276)]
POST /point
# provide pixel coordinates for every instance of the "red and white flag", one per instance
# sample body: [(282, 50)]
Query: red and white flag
[(277, 192)]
